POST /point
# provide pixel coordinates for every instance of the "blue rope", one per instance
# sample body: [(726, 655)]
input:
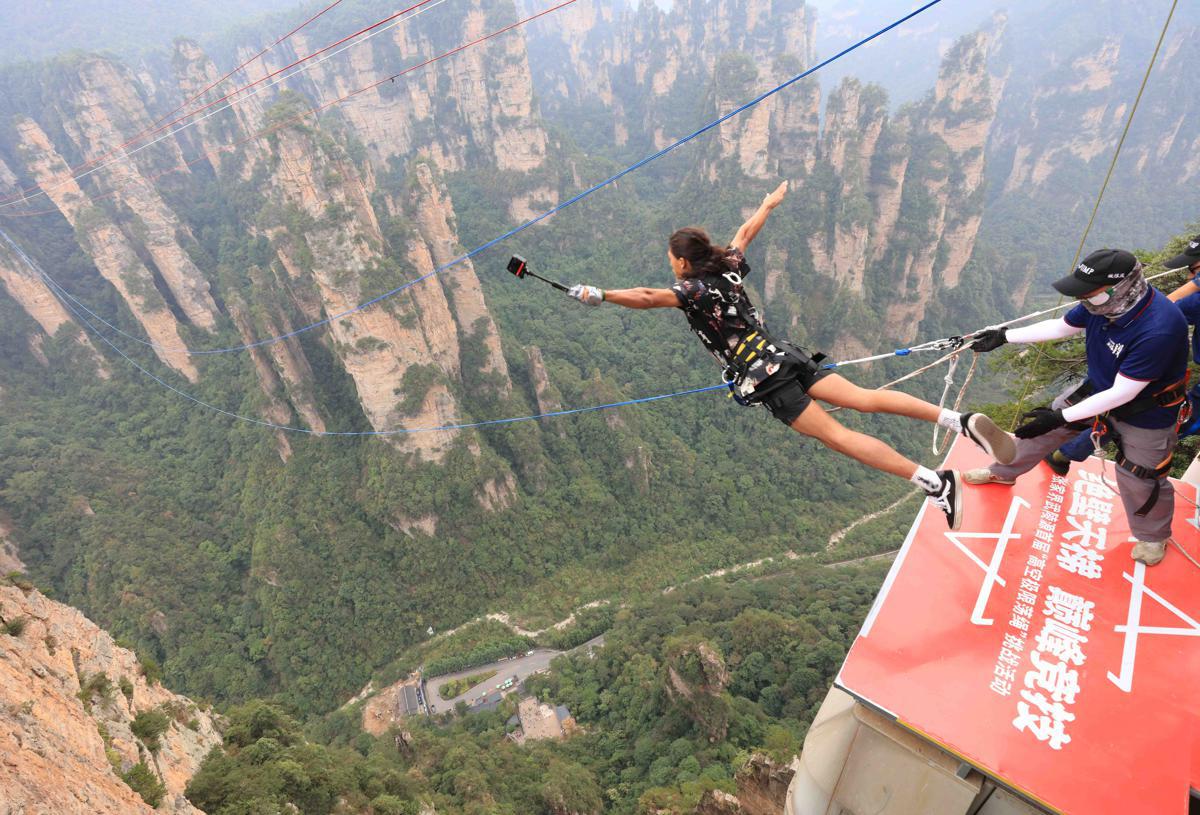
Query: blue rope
[(539, 218), (67, 300)]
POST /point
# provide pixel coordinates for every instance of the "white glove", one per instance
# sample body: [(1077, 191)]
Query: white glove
[(589, 295)]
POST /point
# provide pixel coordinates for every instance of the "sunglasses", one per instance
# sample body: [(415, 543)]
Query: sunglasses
[(1100, 298)]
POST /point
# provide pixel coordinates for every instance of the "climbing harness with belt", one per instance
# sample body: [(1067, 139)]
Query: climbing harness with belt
[(1173, 395), (755, 356)]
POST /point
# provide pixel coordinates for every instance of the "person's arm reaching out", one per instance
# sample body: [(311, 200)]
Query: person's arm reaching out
[(642, 298), (1123, 391), (630, 298), (1057, 329), (1044, 419), (1183, 291), (992, 338), (749, 230)]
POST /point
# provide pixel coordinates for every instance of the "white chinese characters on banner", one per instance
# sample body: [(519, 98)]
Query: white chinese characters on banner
[(1061, 641), (1081, 548), (1092, 499), (1058, 645), (1004, 673), (1053, 684)]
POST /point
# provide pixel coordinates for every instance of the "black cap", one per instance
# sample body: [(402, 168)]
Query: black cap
[(1104, 267), (1187, 257)]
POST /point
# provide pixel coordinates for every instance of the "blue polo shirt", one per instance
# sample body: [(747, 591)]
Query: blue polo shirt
[(1190, 306), (1148, 343)]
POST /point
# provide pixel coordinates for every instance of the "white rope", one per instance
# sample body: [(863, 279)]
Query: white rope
[(955, 342), (944, 344), (949, 380)]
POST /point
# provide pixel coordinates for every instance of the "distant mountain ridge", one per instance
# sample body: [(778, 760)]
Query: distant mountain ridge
[(35, 31)]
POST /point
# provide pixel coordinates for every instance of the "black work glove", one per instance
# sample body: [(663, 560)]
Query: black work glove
[(1038, 421), (989, 339)]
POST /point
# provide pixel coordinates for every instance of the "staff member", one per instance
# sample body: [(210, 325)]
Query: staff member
[(1189, 258), (1137, 353), (1187, 297)]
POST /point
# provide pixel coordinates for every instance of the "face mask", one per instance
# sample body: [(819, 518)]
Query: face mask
[(1116, 300)]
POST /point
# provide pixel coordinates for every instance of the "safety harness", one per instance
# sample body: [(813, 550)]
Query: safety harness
[(1173, 395), (756, 348)]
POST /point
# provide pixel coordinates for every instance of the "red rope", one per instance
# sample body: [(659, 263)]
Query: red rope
[(214, 84)]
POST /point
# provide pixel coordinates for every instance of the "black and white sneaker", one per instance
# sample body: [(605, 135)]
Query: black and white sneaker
[(979, 428), (948, 497)]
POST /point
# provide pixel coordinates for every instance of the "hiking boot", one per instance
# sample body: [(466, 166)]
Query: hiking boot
[(948, 497), (1149, 552), (979, 428), (1058, 462), (983, 475)]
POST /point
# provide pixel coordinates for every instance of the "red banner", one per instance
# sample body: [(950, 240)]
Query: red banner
[(1030, 643)]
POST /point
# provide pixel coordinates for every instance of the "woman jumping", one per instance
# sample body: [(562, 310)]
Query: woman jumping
[(783, 377)]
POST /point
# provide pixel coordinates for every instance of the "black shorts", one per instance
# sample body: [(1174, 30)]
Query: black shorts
[(786, 391)]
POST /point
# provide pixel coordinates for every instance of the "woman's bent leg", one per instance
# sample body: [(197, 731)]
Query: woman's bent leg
[(837, 390), (814, 421)]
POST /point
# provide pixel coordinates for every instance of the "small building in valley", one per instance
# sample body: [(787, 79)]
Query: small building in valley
[(541, 721), (392, 705), (408, 702)]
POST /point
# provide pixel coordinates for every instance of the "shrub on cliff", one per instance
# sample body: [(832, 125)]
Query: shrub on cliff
[(142, 780), (98, 684), (148, 726)]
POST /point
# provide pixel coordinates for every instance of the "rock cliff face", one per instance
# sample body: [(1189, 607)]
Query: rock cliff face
[(948, 163), (104, 108), (654, 70), (194, 72), (1064, 109), (10, 558), (696, 679), (762, 787), (1079, 117), (405, 353), (548, 397), (68, 698), (115, 257), (100, 109), (474, 109), (36, 298), (907, 190), (854, 119), (433, 213), (340, 250)]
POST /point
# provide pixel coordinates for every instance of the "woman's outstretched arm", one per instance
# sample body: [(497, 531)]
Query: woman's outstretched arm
[(751, 228), (642, 298)]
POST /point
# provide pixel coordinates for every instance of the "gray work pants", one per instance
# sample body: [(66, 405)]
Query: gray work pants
[(1145, 446)]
